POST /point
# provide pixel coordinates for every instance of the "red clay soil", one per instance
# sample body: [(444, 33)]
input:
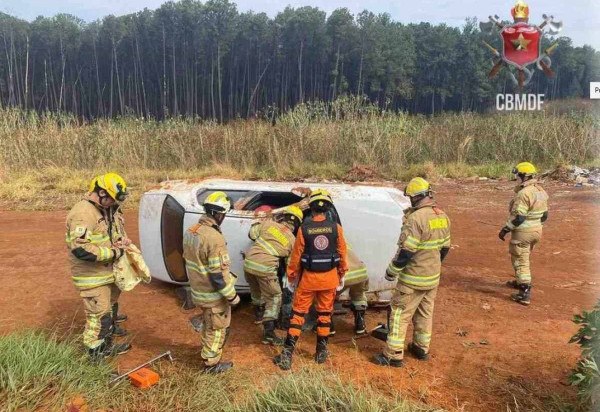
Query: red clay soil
[(486, 349)]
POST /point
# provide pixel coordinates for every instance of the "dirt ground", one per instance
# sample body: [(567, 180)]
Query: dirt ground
[(488, 353)]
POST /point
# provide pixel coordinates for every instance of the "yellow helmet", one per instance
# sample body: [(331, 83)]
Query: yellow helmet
[(114, 185), (294, 211), (320, 197), (417, 186), (525, 168), (217, 202)]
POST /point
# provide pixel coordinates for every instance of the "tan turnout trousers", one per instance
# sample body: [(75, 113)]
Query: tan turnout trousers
[(520, 247), (98, 302), (407, 304), (265, 290), (217, 320)]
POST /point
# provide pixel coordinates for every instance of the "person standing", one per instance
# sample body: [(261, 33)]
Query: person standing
[(317, 266), (527, 213), (212, 285), (96, 238), (424, 243)]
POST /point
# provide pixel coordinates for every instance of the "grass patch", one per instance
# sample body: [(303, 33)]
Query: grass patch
[(309, 390), (37, 371), (40, 372)]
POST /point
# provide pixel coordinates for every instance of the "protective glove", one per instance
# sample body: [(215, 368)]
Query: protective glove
[(123, 242), (289, 284), (117, 253), (340, 286), (389, 277), (234, 301), (503, 232)]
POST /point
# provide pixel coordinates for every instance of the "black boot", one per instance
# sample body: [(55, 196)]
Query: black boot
[(116, 329), (382, 360), (359, 322), (524, 295), (331, 328), (284, 359), (259, 313), (108, 348), (218, 368), (322, 352), (269, 336), (512, 284), (418, 352), (118, 317)]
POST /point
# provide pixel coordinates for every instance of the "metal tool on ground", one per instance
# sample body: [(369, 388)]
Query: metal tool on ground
[(167, 354)]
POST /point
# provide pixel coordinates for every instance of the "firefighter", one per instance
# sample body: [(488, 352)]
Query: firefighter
[(96, 238), (317, 266), (273, 242), (527, 212), (212, 285), (424, 243), (357, 283)]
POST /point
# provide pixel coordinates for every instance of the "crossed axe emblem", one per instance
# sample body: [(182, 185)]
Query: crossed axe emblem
[(543, 62)]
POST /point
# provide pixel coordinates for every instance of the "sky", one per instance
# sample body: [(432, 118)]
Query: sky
[(581, 18)]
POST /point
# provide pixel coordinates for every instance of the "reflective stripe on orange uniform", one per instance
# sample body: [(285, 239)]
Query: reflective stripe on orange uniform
[(314, 281), (303, 299)]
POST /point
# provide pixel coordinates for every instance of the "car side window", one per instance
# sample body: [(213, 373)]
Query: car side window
[(237, 196)]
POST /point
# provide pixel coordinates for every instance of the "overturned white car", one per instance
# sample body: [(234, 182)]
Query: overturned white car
[(371, 217)]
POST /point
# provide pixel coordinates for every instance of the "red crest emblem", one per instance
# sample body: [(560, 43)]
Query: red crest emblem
[(521, 45)]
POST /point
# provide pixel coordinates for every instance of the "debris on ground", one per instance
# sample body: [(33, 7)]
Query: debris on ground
[(77, 404), (486, 306), (362, 173), (575, 174), (484, 342), (461, 333)]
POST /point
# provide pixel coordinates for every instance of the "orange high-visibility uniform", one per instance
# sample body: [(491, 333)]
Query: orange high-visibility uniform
[(315, 286)]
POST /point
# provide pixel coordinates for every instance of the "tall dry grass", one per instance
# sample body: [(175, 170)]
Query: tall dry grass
[(311, 134), (53, 156)]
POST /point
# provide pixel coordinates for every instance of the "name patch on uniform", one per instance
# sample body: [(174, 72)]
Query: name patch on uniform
[(273, 231), (438, 223), (321, 242), (319, 230)]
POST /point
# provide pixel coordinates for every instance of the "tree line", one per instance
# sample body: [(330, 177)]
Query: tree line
[(208, 60)]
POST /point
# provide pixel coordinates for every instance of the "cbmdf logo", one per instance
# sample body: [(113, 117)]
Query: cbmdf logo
[(521, 44)]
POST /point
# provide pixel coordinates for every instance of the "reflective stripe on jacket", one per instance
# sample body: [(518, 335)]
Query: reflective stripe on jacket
[(425, 230), (273, 241), (91, 232), (531, 202), (357, 270), (207, 259)]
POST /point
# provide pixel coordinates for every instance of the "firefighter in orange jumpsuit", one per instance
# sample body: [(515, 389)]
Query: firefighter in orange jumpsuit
[(317, 266)]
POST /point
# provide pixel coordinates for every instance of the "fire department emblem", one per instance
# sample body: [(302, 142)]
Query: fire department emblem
[(321, 242), (522, 44)]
